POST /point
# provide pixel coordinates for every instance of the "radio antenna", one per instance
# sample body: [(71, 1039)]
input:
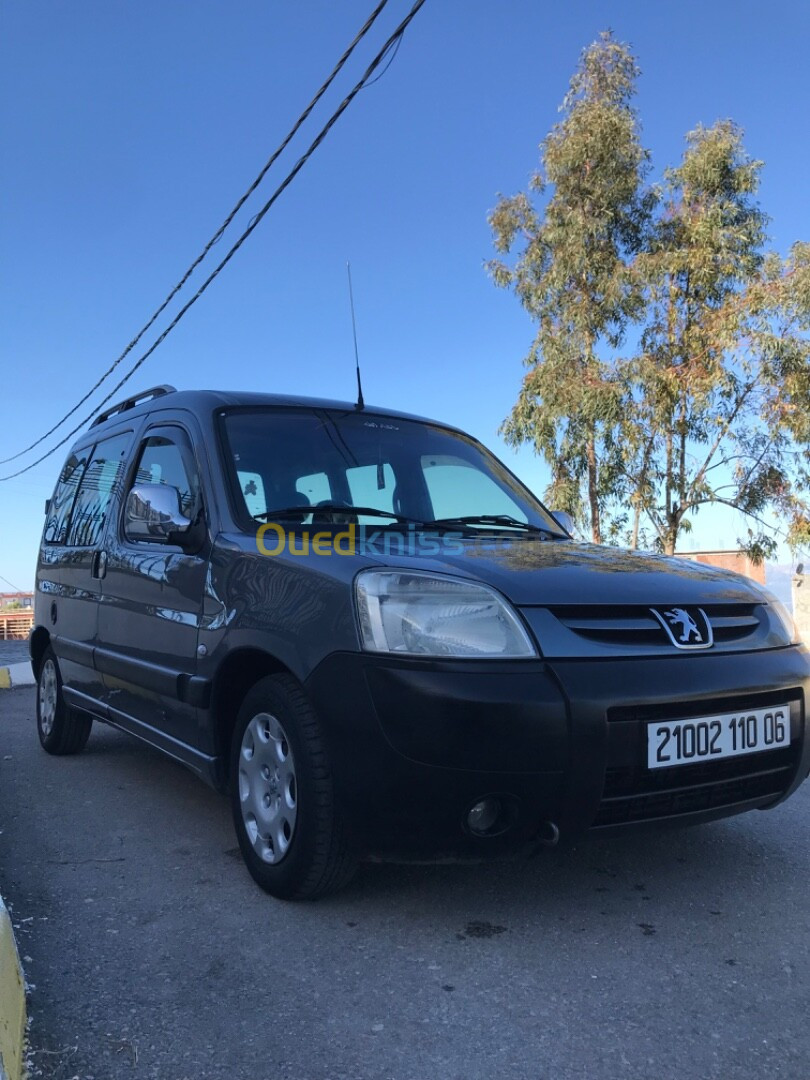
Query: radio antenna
[(360, 403)]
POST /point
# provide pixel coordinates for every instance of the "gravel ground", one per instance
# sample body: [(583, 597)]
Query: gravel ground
[(151, 954)]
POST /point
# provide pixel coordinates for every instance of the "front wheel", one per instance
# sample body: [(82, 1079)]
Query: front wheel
[(289, 828), (62, 730)]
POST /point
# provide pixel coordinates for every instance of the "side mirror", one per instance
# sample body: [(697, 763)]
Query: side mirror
[(152, 513), (564, 520)]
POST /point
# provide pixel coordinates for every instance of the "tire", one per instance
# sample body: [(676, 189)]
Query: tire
[(61, 729), (288, 826)]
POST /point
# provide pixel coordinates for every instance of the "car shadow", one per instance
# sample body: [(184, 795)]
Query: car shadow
[(644, 869)]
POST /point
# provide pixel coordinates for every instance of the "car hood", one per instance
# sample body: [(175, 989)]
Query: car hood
[(535, 572)]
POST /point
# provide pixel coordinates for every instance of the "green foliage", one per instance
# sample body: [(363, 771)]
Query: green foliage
[(711, 406), (572, 276)]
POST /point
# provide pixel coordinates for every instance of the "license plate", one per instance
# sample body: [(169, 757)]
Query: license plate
[(702, 738)]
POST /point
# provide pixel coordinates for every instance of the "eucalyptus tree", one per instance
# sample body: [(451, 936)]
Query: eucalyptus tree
[(711, 404), (718, 396), (571, 270)]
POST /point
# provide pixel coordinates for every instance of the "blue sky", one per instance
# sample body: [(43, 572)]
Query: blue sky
[(129, 130)]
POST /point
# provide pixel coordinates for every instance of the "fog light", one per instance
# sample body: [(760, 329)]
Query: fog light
[(484, 815)]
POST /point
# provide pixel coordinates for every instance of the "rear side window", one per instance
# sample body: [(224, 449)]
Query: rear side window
[(316, 488), (252, 487), (372, 485), (101, 481), (455, 484), (61, 504)]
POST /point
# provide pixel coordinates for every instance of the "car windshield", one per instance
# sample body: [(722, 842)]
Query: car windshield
[(294, 461)]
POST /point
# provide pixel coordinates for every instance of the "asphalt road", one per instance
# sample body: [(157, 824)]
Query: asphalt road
[(13, 652), (152, 954)]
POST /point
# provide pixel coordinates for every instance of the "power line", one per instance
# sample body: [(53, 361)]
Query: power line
[(218, 234), (392, 58), (375, 63)]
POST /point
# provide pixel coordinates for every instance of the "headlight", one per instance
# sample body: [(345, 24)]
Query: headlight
[(782, 616), (420, 614)]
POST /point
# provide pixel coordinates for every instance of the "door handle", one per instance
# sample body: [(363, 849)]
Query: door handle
[(99, 564)]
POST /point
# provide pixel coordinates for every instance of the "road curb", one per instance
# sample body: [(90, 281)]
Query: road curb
[(16, 675), (12, 1002)]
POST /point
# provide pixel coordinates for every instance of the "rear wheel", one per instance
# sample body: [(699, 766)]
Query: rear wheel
[(61, 729), (289, 828)]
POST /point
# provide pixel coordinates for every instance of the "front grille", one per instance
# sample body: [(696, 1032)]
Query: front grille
[(635, 625), (632, 792)]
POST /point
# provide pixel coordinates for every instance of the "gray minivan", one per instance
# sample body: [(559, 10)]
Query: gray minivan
[(368, 632)]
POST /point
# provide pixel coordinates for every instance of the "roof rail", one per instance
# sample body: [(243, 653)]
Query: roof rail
[(131, 402)]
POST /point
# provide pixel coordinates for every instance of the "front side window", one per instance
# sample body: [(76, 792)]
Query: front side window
[(100, 481), (167, 459)]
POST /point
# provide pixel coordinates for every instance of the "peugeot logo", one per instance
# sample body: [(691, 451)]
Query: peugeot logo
[(686, 628)]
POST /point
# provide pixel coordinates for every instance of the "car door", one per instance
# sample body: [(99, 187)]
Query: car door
[(153, 595), (71, 564)]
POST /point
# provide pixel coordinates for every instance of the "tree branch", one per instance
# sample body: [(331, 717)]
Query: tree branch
[(726, 427)]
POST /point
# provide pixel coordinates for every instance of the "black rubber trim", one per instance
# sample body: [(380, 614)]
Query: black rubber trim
[(77, 652), (190, 689)]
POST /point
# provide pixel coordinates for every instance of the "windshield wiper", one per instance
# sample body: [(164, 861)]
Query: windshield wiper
[(449, 524), (335, 508), (505, 520)]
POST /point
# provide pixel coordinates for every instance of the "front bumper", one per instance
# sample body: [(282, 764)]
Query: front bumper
[(413, 743)]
